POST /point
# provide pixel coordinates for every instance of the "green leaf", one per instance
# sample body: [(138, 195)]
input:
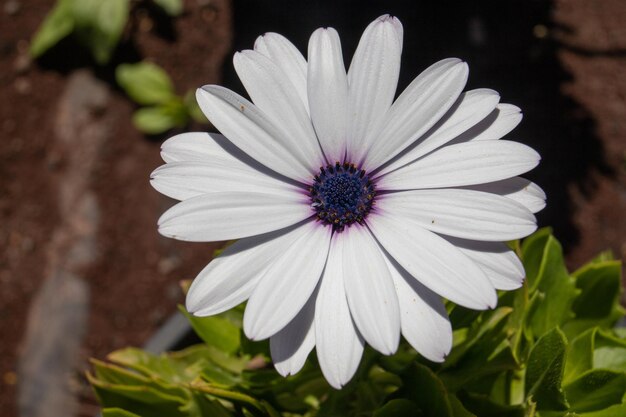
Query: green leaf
[(533, 253), (117, 412), (458, 409), (100, 24), (140, 400), (596, 390), (398, 408), (609, 352), (171, 7), (202, 406), (145, 83), (614, 411), (155, 120), (115, 375), (579, 355), (57, 25), (599, 280), (426, 390), (552, 289), (215, 331), (544, 372), (483, 406)]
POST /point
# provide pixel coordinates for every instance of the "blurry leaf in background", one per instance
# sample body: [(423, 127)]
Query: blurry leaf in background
[(58, 24), (171, 7), (161, 118), (145, 83), (97, 24), (100, 24)]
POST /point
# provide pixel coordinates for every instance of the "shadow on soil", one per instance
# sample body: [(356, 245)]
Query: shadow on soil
[(505, 49)]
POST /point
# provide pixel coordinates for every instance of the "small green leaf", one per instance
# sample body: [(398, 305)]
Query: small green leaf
[(579, 355), (483, 406), (57, 25), (140, 400), (145, 83), (552, 290), (426, 390), (117, 412), (458, 409), (545, 371), (596, 281), (596, 390), (614, 411), (158, 119), (100, 24), (171, 7), (215, 331), (609, 352), (398, 408)]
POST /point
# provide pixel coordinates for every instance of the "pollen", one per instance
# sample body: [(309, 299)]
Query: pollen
[(341, 195)]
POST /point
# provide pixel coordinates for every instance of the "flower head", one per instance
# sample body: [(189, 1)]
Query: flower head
[(354, 214)]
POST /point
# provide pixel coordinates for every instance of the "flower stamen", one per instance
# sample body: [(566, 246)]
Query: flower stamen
[(342, 194)]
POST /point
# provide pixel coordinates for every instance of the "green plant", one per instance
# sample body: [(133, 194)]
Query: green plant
[(548, 349), (149, 85), (97, 24)]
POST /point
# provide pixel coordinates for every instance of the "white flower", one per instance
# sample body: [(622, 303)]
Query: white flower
[(413, 200)]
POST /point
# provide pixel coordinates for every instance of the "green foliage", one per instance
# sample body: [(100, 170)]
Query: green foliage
[(171, 7), (548, 350), (97, 24), (149, 85)]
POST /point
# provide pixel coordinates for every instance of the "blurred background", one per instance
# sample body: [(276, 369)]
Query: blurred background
[(82, 268)]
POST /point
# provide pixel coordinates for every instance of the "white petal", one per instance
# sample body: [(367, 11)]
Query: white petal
[(288, 283), (527, 193), (338, 343), (291, 346), (462, 213), (328, 92), (470, 108), (287, 57), (184, 180), (417, 109), (198, 147), (230, 278), (500, 264), (272, 92), (433, 261), (423, 316), (463, 164), (503, 120), (372, 81), (232, 215), (370, 291), (253, 132)]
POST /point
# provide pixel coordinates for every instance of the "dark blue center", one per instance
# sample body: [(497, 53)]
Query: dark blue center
[(341, 195)]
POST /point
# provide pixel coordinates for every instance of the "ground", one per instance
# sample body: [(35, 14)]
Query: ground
[(81, 259)]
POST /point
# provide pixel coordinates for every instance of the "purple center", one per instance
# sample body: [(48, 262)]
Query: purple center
[(342, 195)]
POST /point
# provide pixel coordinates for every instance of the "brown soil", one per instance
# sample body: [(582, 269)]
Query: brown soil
[(562, 62)]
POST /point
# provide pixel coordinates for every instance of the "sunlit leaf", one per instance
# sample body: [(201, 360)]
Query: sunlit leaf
[(158, 119), (100, 24), (595, 390), (215, 331), (171, 7), (552, 289), (545, 371), (145, 83), (57, 25)]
